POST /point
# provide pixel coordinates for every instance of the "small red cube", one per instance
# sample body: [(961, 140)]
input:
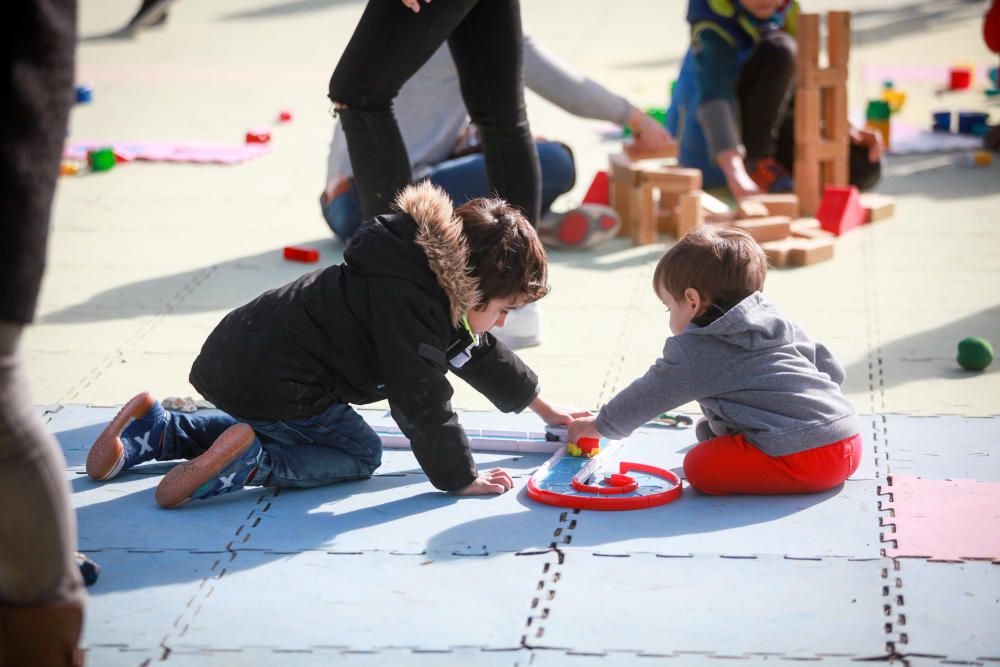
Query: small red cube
[(307, 255), (285, 116), (258, 137)]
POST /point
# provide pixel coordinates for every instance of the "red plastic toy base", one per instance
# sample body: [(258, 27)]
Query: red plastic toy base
[(604, 498), (307, 255)]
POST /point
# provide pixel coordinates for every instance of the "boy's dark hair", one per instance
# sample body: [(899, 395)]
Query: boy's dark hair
[(724, 264), (505, 255)]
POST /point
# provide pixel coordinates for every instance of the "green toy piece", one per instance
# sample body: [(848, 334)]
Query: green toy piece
[(101, 159), (974, 353)]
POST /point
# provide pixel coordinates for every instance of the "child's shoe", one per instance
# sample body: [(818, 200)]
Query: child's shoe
[(226, 466), (770, 176), (135, 435), (581, 228)]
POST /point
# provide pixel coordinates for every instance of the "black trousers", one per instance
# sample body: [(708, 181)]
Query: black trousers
[(766, 93), (390, 43)]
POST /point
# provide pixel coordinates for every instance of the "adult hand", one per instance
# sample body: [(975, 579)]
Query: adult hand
[(869, 139), (493, 481), (553, 415), (649, 134), (584, 427), (414, 5), (737, 178)]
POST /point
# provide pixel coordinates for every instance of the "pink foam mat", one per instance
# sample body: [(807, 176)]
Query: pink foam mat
[(942, 520), (151, 151)]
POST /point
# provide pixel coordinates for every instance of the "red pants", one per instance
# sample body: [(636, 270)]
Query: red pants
[(729, 464)]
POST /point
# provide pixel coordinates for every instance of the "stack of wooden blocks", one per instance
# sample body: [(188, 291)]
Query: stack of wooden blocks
[(787, 239), (634, 184)]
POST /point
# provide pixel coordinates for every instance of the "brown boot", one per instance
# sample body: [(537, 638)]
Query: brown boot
[(45, 636)]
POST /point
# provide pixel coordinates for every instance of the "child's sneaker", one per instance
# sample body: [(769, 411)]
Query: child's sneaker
[(770, 176), (135, 435), (226, 466), (581, 228)]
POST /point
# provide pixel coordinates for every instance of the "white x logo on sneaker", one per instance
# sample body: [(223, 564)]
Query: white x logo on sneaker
[(227, 481), (144, 444)]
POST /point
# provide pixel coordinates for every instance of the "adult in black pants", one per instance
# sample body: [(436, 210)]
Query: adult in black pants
[(390, 43), (41, 592)]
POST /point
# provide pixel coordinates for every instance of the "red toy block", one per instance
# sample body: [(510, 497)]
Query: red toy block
[(285, 116), (307, 255), (258, 137), (588, 445), (959, 77), (598, 192), (841, 209)]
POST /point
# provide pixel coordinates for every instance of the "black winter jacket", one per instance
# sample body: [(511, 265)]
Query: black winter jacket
[(382, 325)]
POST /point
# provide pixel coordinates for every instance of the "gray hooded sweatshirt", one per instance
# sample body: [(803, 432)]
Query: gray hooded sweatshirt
[(752, 372)]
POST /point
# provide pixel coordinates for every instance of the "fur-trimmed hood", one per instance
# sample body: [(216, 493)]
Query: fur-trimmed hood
[(439, 233)]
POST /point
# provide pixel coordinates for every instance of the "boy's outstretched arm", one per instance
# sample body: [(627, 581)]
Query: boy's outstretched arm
[(551, 414)]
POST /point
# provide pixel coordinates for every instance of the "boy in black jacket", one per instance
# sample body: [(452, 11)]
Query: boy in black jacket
[(415, 297)]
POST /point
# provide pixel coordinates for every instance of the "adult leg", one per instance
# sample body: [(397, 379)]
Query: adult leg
[(465, 178), (335, 446), (764, 91), (488, 52), (389, 44)]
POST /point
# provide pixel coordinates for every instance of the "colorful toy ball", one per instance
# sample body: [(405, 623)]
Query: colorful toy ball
[(974, 353), (101, 159)]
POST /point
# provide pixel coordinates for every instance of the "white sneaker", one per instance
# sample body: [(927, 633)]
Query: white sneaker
[(523, 327)]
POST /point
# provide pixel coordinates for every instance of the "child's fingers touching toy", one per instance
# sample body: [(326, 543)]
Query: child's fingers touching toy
[(583, 427), (493, 481)]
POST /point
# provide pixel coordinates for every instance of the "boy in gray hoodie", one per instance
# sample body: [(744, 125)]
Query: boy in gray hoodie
[(776, 420)]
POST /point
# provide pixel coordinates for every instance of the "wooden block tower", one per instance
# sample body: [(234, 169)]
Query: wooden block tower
[(821, 130)]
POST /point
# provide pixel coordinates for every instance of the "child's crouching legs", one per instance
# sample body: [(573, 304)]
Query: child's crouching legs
[(730, 465)]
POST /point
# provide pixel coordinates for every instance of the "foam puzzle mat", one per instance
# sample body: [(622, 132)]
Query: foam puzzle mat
[(507, 581)]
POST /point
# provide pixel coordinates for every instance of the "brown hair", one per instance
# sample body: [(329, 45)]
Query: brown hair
[(722, 263), (505, 255)]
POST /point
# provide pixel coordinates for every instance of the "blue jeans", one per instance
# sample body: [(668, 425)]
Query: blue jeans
[(334, 446), (463, 178)]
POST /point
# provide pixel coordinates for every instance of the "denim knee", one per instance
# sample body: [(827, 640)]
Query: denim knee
[(343, 214)]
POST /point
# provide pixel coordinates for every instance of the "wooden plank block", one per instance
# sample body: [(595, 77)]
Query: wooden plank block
[(621, 170), (835, 125), (644, 231), (777, 251), (878, 207), (778, 204), (766, 229), (621, 200), (807, 38), (674, 179), (838, 40), (692, 213), (668, 212), (807, 110), (750, 208), (669, 151), (824, 78), (804, 252), (809, 228), (713, 205)]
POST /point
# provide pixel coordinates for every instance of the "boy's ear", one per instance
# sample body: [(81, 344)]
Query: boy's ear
[(693, 299)]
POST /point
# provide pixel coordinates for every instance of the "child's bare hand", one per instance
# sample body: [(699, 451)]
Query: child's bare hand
[(870, 140), (584, 427), (414, 4), (552, 414), (735, 170), (493, 481)]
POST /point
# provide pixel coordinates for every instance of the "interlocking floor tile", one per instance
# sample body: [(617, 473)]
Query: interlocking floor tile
[(707, 604), (371, 601), (952, 609), (944, 447)]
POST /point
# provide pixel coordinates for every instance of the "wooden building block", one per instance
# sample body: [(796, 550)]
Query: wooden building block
[(781, 204), (840, 211), (643, 231), (877, 207), (804, 252), (713, 205), (669, 151), (766, 229), (777, 251), (672, 179), (692, 213), (749, 208), (808, 228)]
